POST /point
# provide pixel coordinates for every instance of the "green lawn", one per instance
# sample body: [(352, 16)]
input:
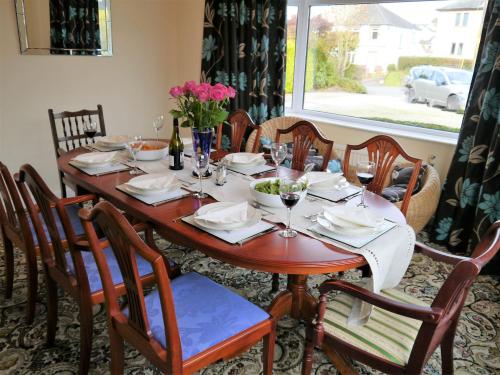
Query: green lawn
[(426, 125)]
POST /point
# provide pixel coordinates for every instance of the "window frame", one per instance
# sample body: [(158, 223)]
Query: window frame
[(298, 94)]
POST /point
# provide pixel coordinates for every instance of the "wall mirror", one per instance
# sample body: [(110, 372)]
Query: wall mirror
[(64, 27)]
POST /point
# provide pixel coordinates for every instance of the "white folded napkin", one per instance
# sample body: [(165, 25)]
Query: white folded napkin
[(244, 158), (225, 214), (324, 180), (113, 140), (154, 181), (91, 158), (352, 216)]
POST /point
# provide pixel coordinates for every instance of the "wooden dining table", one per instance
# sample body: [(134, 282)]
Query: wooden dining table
[(296, 257)]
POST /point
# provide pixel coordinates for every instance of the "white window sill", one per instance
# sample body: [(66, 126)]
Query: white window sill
[(377, 127)]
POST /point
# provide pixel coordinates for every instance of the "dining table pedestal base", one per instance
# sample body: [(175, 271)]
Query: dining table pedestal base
[(295, 301)]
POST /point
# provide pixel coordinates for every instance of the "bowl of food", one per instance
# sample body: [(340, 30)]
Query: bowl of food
[(152, 150), (266, 191)]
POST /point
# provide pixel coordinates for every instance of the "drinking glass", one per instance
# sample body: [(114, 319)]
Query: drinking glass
[(278, 153), (134, 146), (290, 195), (158, 124), (90, 129), (201, 161), (365, 171)]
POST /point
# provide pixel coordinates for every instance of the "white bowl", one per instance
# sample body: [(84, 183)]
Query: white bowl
[(157, 154), (270, 200)]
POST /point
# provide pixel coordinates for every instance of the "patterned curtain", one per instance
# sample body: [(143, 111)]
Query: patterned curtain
[(470, 201), (244, 45), (74, 24)]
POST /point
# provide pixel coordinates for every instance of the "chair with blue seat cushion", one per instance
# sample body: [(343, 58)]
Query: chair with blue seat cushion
[(74, 271), (402, 332), (184, 324), (15, 232)]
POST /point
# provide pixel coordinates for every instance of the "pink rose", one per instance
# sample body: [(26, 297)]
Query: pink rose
[(190, 86), (231, 93), (202, 93), (218, 93), (176, 91)]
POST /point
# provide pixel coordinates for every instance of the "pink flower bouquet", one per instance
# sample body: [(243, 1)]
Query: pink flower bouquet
[(201, 105)]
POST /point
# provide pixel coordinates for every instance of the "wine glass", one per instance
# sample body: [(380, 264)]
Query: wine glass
[(201, 162), (90, 129), (278, 153), (158, 124), (133, 147), (290, 195), (365, 171)]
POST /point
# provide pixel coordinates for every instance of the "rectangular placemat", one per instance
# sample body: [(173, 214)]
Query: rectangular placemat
[(336, 195), (112, 168), (157, 199)]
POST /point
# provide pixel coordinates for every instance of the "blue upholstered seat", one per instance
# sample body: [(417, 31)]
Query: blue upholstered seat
[(73, 217), (144, 268), (207, 313)]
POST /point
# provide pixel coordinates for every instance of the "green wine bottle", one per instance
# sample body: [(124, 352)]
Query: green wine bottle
[(176, 149)]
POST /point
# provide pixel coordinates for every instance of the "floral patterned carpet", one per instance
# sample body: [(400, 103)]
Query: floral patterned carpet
[(23, 349)]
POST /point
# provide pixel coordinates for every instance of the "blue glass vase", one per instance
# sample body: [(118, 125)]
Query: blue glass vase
[(202, 144)]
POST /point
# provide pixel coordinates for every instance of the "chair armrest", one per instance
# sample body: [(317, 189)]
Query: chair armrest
[(85, 246), (78, 199), (437, 255), (425, 314)]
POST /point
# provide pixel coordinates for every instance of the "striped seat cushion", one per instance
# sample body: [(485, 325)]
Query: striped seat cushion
[(386, 335)]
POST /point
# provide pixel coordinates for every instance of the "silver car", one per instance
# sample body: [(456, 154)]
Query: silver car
[(438, 86)]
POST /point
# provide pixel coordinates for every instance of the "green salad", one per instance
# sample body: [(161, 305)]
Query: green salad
[(273, 186)]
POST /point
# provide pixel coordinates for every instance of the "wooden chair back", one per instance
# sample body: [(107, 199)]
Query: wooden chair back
[(53, 249), (125, 244), (304, 135), (451, 297), (12, 215), (67, 128), (383, 151), (239, 122)]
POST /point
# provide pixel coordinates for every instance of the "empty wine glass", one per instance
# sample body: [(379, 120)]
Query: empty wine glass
[(90, 130), (290, 195), (365, 171), (278, 153), (133, 147), (201, 161), (158, 124)]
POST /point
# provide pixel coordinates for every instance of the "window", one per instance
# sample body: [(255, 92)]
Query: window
[(465, 19), (458, 16), (291, 36), (340, 74)]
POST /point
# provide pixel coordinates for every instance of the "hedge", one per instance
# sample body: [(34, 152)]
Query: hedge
[(407, 62)]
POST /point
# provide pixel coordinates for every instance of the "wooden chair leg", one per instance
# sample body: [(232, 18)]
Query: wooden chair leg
[(276, 282), (64, 193), (447, 350), (307, 362), (116, 348), (52, 302), (9, 265), (268, 352), (86, 328), (32, 286)]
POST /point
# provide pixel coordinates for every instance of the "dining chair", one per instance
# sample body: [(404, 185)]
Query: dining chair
[(70, 265), (184, 324), (239, 122), (383, 151), (304, 135), (16, 232), (67, 134), (402, 332)]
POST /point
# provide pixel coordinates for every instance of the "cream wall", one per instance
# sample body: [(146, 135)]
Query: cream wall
[(157, 44), (132, 85)]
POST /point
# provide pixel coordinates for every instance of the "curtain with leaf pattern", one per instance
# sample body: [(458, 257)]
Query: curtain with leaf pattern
[(74, 24), (470, 201), (244, 45)]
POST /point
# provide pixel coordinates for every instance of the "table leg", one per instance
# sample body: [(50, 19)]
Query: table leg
[(296, 300)]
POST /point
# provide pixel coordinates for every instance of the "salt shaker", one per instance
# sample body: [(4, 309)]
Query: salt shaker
[(220, 174)]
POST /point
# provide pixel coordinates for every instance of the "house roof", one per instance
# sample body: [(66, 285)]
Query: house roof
[(462, 5), (378, 15)]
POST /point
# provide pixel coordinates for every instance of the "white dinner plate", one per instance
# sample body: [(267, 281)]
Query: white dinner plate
[(260, 161), (113, 140), (82, 164), (346, 231), (253, 217), (146, 193)]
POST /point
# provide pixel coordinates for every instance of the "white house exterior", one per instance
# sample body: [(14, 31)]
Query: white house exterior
[(458, 29)]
